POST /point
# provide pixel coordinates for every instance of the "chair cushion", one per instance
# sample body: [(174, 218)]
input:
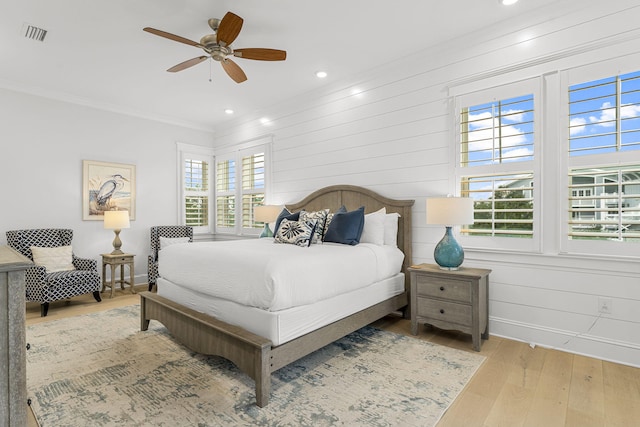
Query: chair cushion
[(53, 259), (76, 278)]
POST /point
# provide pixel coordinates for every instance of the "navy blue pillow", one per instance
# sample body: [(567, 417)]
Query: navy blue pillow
[(346, 227), (285, 214)]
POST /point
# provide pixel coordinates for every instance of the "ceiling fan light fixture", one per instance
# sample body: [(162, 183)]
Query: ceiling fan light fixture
[(217, 46)]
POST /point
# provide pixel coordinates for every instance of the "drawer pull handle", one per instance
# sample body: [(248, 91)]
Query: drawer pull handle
[(442, 288), (441, 311)]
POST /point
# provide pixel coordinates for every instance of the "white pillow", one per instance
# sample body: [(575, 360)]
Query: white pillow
[(373, 231), (168, 241), (53, 259), (391, 229)]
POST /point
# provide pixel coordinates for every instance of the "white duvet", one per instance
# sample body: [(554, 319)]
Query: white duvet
[(273, 276)]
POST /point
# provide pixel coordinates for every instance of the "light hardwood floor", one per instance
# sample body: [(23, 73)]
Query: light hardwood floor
[(516, 386)]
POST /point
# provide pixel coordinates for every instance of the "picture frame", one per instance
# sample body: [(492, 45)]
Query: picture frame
[(107, 186)]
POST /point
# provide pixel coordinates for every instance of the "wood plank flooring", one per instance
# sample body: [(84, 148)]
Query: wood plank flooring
[(516, 386)]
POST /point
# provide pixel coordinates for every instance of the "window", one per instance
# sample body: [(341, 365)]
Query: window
[(586, 173), (605, 203), (503, 205), (497, 132), (225, 194), (195, 190), (497, 166), (604, 159), (241, 185), (604, 115), (196, 186), (253, 188)]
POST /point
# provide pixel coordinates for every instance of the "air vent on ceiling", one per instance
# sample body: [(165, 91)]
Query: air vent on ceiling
[(34, 33)]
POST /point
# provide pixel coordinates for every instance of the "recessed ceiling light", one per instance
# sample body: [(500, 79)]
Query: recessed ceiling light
[(228, 111), (508, 2), (321, 74), (265, 121)]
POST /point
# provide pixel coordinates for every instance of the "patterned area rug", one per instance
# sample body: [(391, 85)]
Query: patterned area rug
[(101, 370)]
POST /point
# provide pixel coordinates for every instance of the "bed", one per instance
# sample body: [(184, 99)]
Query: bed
[(259, 354)]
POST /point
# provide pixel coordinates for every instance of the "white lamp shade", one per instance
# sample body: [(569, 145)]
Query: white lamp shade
[(116, 220), (267, 213), (450, 210)]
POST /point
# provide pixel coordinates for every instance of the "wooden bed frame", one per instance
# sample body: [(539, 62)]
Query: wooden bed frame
[(255, 355)]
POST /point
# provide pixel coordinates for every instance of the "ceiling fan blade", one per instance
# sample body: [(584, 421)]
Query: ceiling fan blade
[(171, 36), (229, 28), (186, 64), (261, 54), (233, 70)]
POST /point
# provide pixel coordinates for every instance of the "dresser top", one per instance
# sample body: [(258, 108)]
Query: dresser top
[(11, 260), (462, 271)]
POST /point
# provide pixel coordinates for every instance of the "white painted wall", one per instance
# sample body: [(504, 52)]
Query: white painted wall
[(395, 137), (42, 145)]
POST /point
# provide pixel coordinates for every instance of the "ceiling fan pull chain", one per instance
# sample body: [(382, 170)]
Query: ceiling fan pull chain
[(210, 68)]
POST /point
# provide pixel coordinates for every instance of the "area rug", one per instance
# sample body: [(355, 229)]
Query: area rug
[(100, 370)]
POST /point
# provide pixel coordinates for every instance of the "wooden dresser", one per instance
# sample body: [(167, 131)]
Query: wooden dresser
[(13, 389), (446, 299)]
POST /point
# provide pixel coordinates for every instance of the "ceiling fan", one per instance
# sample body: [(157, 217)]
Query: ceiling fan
[(218, 47)]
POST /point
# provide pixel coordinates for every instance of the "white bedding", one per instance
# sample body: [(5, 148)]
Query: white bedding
[(284, 325), (272, 276)]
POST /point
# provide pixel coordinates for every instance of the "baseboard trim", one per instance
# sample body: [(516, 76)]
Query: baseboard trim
[(584, 344)]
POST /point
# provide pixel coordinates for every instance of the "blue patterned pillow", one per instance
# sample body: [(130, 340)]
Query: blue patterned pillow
[(295, 232), (285, 214), (346, 228), (321, 218)]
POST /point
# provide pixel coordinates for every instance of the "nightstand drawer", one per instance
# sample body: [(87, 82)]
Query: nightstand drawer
[(454, 290), (444, 311)]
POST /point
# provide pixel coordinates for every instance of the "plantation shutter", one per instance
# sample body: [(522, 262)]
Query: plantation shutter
[(225, 194), (196, 194), (253, 187)]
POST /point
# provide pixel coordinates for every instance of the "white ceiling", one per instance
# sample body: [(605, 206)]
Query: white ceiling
[(96, 53)]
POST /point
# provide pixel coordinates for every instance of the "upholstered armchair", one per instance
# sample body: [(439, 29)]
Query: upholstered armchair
[(169, 232), (79, 277)]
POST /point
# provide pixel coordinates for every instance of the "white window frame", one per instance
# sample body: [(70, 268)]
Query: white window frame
[(194, 152), (462, 99), (259, 145), (568, 78)]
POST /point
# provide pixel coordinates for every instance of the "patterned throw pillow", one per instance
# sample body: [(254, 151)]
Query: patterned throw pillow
[(295, 232), (285, 214), (321, 218)]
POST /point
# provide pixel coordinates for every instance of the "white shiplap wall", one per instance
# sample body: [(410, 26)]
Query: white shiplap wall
[(395, 136)]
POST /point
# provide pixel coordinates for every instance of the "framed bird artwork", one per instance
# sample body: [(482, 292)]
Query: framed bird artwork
[(107, 187)]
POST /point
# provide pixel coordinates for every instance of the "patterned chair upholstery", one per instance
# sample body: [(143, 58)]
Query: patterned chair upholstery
[(170, 231), (46, 287)]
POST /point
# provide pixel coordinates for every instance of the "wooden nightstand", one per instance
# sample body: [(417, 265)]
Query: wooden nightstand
[(117, 261), (446, 299)]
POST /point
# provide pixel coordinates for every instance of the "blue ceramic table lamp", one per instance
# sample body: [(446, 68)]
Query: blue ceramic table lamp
[(449, 211), (266, 214)]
